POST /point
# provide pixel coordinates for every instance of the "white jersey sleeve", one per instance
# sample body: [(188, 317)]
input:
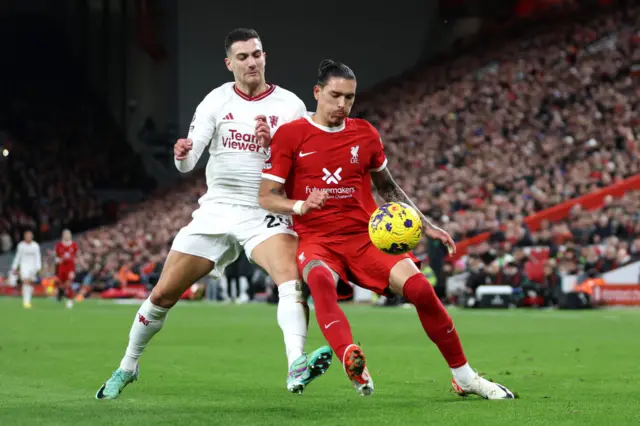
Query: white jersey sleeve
[(18, 258), (301, 110), (201, 130), (38, 257)]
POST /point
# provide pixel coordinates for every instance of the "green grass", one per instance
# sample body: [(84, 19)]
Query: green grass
[(215, 364)]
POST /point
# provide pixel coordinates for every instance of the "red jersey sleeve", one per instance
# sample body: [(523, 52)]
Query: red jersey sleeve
[(378, 158), (279, 155)]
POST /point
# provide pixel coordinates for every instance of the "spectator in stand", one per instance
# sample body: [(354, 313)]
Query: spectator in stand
[(484, 142), (537, 127), (5, 242), (551, 285)]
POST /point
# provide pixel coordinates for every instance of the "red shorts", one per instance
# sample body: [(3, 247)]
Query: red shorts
[(65, 273), (354, 258)]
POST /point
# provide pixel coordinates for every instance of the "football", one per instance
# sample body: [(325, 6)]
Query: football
[(395, 228)]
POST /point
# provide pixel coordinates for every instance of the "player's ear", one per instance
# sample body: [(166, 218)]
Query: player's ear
[(227, 62), (316, 92)]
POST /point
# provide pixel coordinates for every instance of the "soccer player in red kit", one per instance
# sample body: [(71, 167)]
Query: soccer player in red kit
[(66, 250), (329, 161)]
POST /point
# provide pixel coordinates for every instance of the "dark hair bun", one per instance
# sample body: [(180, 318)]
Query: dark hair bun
[(326, 63)]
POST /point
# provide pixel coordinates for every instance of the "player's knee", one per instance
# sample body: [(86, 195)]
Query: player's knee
[(396, 288), (313, 264), (162, 298), (165, 296), (284, 271)]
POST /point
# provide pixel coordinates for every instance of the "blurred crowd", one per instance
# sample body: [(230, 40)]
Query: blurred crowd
[(585, 245), (480, 143), (59, 141), (133, 250), (500, 135), (59, 151)]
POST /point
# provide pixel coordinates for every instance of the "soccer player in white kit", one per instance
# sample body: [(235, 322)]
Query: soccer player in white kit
[(236, 119), (27, 263)]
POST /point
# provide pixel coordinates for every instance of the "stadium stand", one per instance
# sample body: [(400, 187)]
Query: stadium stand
[(61, 143), (544, 119)]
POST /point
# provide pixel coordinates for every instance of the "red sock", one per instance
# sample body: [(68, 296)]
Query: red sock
[(435, 319), (332, 321), (69, 292)]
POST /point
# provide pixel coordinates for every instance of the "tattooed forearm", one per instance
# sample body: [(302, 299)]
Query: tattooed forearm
[(391, 192), (278, 191), (272, 197)]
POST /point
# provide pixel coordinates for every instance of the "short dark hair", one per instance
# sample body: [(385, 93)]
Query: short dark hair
[(239, 34), (329, 68)]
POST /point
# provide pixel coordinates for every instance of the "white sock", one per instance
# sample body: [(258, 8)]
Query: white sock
[(463, 375), (225, 287), (244, 287), (292, 318), (148, 321), (27, 292)]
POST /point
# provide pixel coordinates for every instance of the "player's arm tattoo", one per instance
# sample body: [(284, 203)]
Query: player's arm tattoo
[(273, 197), (391, 192)]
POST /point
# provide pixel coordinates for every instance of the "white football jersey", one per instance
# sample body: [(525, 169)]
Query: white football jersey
[(28, 257), (226, 118)]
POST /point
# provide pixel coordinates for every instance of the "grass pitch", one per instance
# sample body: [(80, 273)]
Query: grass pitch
[(225, 365)]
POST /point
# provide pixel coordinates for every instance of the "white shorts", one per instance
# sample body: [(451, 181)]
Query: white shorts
[(218, 232), (28, 274)]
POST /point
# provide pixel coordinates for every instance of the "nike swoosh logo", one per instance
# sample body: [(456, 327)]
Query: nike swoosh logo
[(330, 324), (305, 154), (451, 331)]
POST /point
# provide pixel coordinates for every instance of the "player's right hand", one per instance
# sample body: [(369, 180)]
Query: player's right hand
[(314, 201), (181, 148), (263, 132)]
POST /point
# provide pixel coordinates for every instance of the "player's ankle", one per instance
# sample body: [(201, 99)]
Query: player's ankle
[(128, 364), (463, 375)]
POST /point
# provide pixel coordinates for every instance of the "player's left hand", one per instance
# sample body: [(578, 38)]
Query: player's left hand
[(314, 201), (442, 236), (263, 132)]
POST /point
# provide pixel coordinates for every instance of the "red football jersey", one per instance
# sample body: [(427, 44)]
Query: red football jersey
[(305, 156), (67, 253)]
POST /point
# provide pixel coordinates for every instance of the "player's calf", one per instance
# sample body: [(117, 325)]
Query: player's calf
[(180, 271), (331, 319), (440, 328)]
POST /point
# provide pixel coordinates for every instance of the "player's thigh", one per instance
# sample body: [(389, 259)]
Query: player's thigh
[(65, 275), (400, 273), (197, 249), (28, 277), (210, 236), (270, 242), (277, 256), (372, 269), (180, 271)]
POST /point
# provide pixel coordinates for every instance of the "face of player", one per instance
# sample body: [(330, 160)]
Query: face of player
[(66, 236), (335, 100), (246, 61), (28, 236)]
